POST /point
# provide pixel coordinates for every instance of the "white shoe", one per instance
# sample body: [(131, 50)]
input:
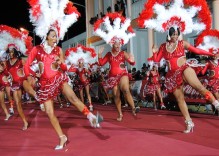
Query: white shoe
[(7, 117), (60, 147), (126, 105), (93, 120), (61, 105), (68, 104), (91, 108), (11, 110), (163, 107), (42, 107), (108, 101)]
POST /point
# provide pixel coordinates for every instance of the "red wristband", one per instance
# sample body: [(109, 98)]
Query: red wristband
[(63, 66)]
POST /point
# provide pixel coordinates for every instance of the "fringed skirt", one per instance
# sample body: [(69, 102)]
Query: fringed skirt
[(213, 85), (174, 79), (150, 88), (50, 88), (82, 85), (17, 85), (113, 81)]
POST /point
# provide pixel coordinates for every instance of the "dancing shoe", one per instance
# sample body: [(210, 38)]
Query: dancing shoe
[(95, 120), (7, 117), (120, 117), (11, 110), (42, 107), (68, 104), (107, 102), (135, 110), (99, 119), (126, 105), (91, 108), (189, 126), (217, 107), (60, 147), (25, 127), (162, 106), (61, 105)]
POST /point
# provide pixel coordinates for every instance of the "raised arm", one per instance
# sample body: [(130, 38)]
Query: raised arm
[(129, 58), (196, 50), (203, 71), (157, 54), (29, 61), (102, 61)]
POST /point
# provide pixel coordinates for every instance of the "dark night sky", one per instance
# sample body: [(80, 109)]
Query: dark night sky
[(17, 15)]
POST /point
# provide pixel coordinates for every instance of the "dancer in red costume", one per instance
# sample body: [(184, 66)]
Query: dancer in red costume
[(209, 41), (4, 83), (173, 51), (153, 86), (5, 86), (50, 58), (79, 58), (16, 43), (118, 75), (15, 69)]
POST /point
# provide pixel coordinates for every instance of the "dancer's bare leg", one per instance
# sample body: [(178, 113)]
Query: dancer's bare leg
[(17, 95)]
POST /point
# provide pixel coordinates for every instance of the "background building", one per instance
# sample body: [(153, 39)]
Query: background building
[(141, 44)]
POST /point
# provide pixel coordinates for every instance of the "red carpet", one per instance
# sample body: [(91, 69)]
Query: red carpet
[(151, 133)]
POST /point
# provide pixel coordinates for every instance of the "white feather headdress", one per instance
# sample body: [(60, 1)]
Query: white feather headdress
[(80, 53), (187, 15), (55, 14), (11, 37), (114, 27), (208, 40)]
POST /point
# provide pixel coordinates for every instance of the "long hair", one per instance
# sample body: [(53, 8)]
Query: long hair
[(17, 53)]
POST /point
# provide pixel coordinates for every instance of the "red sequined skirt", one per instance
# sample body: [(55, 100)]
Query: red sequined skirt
[(150, 88), (17, 85), (213, 85), (113, 81), (50, 88), (82, 85), (174, 79)]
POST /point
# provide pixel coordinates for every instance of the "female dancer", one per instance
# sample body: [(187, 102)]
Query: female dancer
[(50, 58), (118, 74), (3, 85), (15, 69), (84, 83), (80, 58), (15, 43), (153, 86), (209, 41), (173, 50)]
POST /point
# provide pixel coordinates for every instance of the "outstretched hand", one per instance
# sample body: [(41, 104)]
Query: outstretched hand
[(101, 50), (154, 48), (131, 58)]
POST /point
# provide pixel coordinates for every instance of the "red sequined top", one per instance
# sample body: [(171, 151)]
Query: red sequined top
[(46, 60), (15, 70), (153, 77), (117, 63), (170, 57)]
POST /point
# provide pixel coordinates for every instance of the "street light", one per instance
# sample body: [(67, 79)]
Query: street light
[(23, 29)]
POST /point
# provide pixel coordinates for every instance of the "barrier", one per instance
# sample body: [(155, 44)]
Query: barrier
[(192, 97)]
